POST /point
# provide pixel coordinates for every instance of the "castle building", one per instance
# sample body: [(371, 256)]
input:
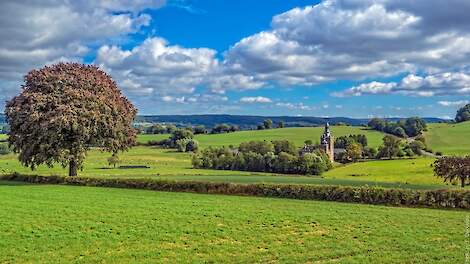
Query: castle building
[(327, 142)]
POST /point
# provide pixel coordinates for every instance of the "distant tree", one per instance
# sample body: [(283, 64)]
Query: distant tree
[(280, 124), (63, 111), (221, 128), (453, 168), (234, 128), (398, 131), (463, 114), (414, 126), (390, 148), (284, 146), (377, 124), (114, 160), (370, 152), (308, 142), (260, 147), (200, 130), (180, 134), (260, 127), (170, 128), (158, 129), (268, 123), (354, 151), (417, 147), (4, 149), (187, 145)]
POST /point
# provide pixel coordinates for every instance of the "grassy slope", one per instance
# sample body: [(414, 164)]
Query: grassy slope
[(410, 171), (295, 134), (3, 136), (449, 138), (58, 224)]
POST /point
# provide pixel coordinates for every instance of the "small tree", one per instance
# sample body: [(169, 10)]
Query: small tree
[(63, 111), (268, 124), (463, 114), (114, 160), (390, 148), (453, 168), (280, 124), (354, 151)]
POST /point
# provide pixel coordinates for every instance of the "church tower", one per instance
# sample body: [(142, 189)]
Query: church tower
[(327, 142)]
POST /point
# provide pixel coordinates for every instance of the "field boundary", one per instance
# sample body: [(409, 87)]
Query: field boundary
[(366, 195)]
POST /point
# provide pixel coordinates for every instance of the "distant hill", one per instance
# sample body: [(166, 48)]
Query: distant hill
[(245, 121), (252, 121)]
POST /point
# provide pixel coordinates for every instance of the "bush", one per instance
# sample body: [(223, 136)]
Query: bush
[(366, 195), (187, 145), (4, 149), (263, 156)]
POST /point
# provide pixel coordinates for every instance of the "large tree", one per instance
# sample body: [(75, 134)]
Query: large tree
[(453, 168), (63, 111), (463, 114)]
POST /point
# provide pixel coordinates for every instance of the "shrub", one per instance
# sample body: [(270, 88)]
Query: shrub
[(365, 194), (4, 149), (187, 145)]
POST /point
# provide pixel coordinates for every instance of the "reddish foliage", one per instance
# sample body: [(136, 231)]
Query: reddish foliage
[(65, 109)]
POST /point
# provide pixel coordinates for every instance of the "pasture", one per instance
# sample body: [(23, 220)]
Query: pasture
[(298, 135), (57, 224), (450, 139), (171, 165)]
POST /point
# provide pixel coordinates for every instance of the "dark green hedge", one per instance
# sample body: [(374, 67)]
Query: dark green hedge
[(366, 195)]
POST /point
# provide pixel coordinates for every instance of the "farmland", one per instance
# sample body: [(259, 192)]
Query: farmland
[(57, 224), (171, 165), (450, 139)]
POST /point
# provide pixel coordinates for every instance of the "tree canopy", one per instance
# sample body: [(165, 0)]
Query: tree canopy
[(463, 114), (453, 168), (63, 111)]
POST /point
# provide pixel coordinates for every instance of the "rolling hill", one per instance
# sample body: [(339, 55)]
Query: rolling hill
[(450, 139)]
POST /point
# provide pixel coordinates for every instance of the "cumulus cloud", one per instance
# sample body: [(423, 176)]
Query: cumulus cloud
[(257, 99), (447, 83), (453, 103), (349, 39), (35, 33)]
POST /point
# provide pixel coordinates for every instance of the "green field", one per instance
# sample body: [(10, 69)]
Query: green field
[(63, 224), (3, 136), (450, 139), (296, 134)]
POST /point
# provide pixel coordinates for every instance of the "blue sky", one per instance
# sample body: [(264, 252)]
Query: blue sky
[(330, 58)]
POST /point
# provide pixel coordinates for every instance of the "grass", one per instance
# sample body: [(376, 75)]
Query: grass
[(61, 224), (450, 139), (171, 165), (296, 134), (408, 171)]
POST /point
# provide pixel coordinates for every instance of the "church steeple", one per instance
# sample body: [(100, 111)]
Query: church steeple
[(327, 142)]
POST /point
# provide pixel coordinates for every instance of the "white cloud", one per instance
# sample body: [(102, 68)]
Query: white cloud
[(257, 99), (350, 39), (453, 103), (447, 83), (294, 106)]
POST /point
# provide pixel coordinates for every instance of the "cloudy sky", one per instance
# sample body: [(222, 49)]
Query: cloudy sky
[(356, 58)]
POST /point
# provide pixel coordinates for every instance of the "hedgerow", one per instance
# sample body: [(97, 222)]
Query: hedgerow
[(368, 195)]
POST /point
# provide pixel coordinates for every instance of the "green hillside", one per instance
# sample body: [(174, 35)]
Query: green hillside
[(65, 224), (449, 138), (295, 134)]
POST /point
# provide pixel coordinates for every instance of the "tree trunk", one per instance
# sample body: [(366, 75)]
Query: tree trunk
[(462, 182), (73, 168)]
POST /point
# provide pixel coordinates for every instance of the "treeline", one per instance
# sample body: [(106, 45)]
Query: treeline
[(409, 127), (279, 156), (181, 139), (170, 128), (355, 148)]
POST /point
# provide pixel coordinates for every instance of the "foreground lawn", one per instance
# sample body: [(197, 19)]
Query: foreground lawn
[(57, 224), (450, 139), (296, 134)]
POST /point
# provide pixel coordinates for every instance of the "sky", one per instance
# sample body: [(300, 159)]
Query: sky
[(353, 58)]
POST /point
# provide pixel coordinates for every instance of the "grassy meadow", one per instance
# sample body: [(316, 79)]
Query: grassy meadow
[(171, 165), (298, 135), (63, 224), (450, 139)]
